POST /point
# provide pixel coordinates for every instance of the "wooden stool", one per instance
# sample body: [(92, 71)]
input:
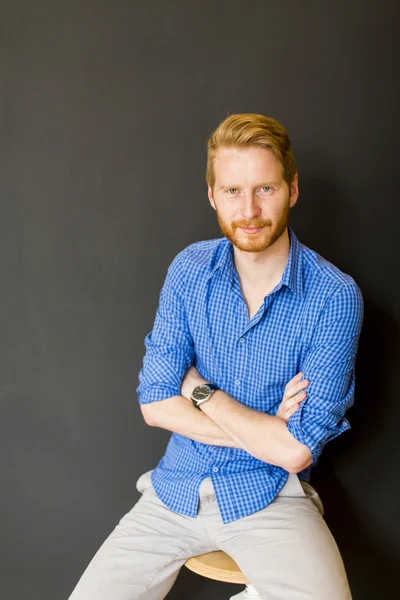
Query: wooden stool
[(221, 567)]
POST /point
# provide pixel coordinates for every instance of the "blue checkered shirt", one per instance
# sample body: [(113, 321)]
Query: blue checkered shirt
[(309, 322)]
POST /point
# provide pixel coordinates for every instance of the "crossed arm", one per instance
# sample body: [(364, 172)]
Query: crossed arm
[(223, 421), (292, 441)]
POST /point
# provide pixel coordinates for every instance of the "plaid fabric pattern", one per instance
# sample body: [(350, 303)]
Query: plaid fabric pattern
[(310, 322)]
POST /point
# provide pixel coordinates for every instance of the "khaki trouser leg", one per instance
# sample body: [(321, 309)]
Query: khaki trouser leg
[(287, 550), (142, 557)]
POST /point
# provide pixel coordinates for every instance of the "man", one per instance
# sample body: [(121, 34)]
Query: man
[(272, 329)]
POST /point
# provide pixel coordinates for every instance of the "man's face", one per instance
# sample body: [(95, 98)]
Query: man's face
[(250, 191)]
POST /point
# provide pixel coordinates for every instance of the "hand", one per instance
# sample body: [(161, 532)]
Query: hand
[(291, 397), (191, 379)]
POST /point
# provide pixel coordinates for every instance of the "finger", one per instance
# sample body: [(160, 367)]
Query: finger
[(302, 385), (296, 387), (293, 401), (291, 412), (294, 380)]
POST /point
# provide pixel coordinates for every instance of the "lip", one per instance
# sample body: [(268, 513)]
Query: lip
[(251, 229)]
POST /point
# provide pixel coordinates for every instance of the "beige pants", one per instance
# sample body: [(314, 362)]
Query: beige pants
[(286, 549)]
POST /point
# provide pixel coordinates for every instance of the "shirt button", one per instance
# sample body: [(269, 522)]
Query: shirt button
[(241, 340), (215, 469), (237, 382)]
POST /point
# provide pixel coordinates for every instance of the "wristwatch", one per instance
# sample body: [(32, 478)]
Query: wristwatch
[(202, 393)]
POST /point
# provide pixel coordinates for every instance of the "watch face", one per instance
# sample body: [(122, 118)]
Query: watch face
[(201, 392)]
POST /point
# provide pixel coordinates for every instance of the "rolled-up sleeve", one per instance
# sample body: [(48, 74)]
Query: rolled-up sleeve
[(169, 346), (329, 365)]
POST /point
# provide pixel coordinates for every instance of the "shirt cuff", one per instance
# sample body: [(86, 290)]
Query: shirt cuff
[(157, 392), (312, 436)]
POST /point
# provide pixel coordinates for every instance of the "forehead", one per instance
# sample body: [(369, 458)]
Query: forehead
[(246, 164)]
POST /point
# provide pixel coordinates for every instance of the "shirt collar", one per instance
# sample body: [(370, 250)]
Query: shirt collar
[(293, 273), (292, 276)]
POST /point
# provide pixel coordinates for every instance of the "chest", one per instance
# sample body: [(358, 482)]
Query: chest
[(254, 299), (249, 343)]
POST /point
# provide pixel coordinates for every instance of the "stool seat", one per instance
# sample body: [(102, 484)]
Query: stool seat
[(216, 565)]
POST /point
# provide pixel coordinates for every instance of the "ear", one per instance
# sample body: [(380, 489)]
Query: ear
[(210, 196), (294, 190)]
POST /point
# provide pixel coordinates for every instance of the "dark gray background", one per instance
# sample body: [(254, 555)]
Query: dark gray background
[(105, 108)]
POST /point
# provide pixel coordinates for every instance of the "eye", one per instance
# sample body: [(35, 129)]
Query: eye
[(266, 190), (232, 191)]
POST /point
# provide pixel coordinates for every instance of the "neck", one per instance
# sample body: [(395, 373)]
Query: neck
[(264, 269)]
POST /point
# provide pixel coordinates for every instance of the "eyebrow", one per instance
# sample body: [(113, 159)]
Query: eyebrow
[(228, 187)]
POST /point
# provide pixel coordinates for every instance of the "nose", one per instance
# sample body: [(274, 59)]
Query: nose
[(251, 206)]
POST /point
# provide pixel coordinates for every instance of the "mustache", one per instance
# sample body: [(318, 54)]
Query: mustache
[(253, 224)]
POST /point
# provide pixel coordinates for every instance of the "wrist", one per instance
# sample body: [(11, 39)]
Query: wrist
[(191, 379), (210, 407)]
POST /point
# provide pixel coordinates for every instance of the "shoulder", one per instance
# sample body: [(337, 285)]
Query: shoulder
[(198, 255), (194, 263), (337, 290)]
